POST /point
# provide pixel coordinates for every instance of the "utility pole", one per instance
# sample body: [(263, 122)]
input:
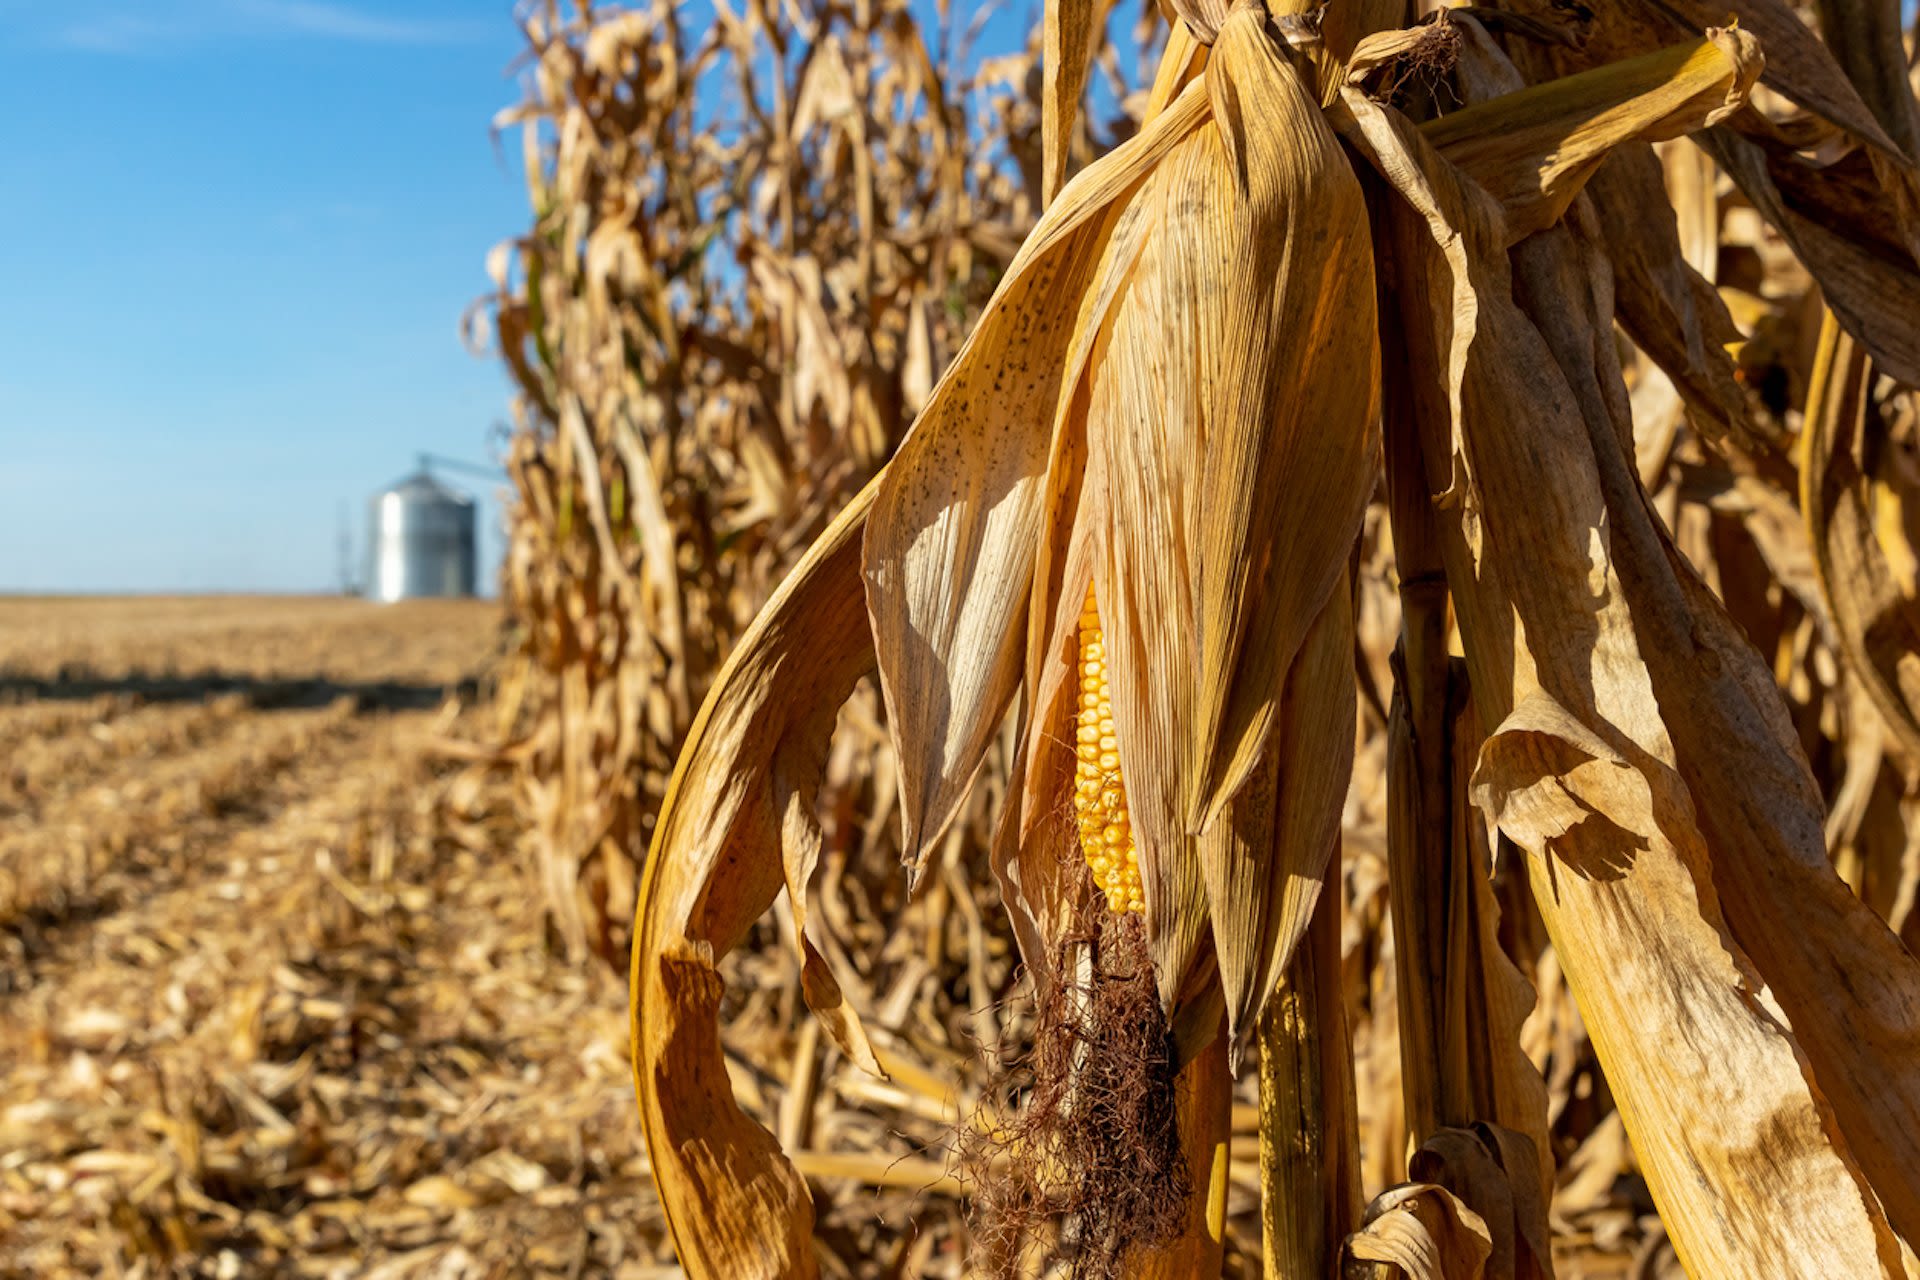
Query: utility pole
[(348, 587)]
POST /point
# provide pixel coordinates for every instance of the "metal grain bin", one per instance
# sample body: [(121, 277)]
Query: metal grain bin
[(420, 541)]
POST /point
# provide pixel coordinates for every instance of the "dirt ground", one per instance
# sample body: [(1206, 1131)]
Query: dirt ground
[(275, 996)]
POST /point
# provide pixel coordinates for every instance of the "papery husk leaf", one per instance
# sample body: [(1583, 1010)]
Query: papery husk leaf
[(1533, 149), (1056, 597), (737, 1207), (1054, 608), (1734, 1141), (1867, 41), (1281, 317), (1203, 18), (800, 842), (1261, 908), (1418, 1231), (950, 547), (1852, 218), (1237, 401), (1143, 420), (1036, 854)]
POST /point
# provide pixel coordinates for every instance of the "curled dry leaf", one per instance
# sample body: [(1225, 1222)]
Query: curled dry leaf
[(1534, 148), (1418, 1231), (1671, 311), (741, 795)]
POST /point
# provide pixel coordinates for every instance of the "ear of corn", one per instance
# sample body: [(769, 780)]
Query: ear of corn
[(1099, 792)]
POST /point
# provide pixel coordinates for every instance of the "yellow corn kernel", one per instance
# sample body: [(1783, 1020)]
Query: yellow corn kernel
[(1099, 793)]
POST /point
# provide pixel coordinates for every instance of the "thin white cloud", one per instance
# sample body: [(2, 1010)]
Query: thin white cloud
[(116, 33), (342, 22), (187, 24)]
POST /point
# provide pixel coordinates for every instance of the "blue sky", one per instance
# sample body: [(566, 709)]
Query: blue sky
[(237, 239)]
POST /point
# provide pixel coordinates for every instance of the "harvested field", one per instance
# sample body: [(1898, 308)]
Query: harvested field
[(279, 994), (275, 996)]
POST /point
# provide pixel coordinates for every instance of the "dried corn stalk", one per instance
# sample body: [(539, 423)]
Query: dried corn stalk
[(756, 240), (1167, 411)]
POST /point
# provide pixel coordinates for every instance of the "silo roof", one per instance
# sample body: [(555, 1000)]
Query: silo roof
[(424, 486)]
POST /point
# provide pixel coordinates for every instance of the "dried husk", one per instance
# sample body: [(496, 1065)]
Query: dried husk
[(1177, 437), (1191, 436), (950, 550)]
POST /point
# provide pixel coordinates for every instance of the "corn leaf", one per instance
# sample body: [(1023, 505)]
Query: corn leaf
[(1535, 147), (1666, 306), (1759, 810), (1067, 40), (1876, 623), (1799, 66), (1865, 38), (737, 1206), (1847, 234), (1581, 770)]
